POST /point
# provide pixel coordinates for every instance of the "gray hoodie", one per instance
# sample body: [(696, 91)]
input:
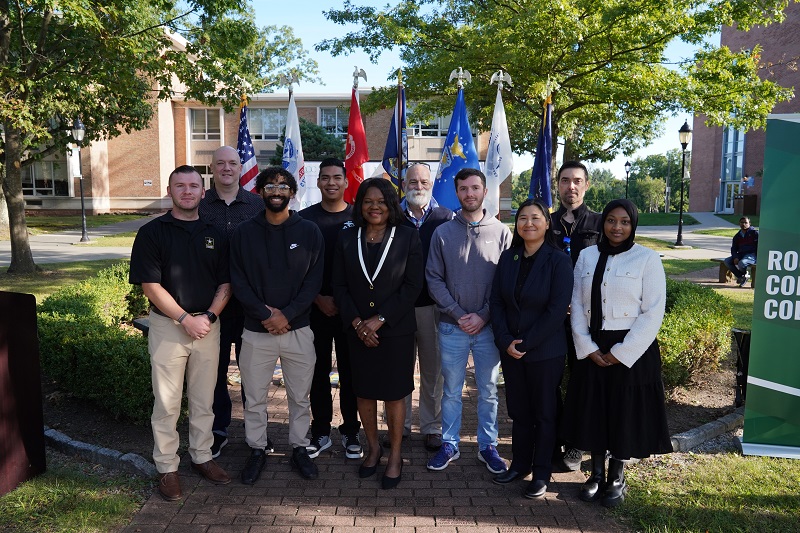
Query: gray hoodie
[(461, 265)]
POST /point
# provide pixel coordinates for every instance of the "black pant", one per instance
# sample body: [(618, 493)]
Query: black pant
[(530, 387), (327, 330), (230, 332)]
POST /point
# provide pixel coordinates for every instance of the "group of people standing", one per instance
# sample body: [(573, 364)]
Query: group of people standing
[(389, 283)]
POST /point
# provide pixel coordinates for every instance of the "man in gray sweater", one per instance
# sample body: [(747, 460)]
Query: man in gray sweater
[(459, 275)]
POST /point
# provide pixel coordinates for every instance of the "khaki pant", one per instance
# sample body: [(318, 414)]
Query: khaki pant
[(426, 341), (260, 353), (174, 354)]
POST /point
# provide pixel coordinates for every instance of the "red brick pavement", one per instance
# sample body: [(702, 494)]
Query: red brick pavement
[(460, 499)]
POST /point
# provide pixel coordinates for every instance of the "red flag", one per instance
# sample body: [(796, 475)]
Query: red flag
[(356, 150)]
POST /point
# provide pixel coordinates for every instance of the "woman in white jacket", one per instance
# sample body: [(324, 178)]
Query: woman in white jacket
[(615, 398)]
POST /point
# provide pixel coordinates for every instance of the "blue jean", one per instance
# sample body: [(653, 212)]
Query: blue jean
[(455, 346), (740, 269)]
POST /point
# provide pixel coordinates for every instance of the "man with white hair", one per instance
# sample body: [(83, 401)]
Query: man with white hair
[(423, 213)]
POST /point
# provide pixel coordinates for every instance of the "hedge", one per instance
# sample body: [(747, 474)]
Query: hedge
[(695, 334), (83, 347)]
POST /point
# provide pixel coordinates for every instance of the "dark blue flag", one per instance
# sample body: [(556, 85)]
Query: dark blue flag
[(541, 173), (458, 152)]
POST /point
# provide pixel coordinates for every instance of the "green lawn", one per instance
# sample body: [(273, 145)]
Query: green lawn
[(665, 219), (742, 299), (676, 267), (52, 277), (73, 496), (734, 219), (713, 493), (120, 239), (39, 224), (718, 232), (654, 244)]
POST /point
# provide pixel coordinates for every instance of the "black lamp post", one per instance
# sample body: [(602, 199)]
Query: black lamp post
[(78, 131), (685, 136), (627, 175)]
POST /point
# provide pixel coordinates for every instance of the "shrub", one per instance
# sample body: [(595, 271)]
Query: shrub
[(695, 334), (84, 348)]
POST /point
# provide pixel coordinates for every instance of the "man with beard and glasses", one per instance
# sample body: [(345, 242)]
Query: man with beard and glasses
[(277, 261), (423, 213), (460, 270), (226, 205), (184, 332)]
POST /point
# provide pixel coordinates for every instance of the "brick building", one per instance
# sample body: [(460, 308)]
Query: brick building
[(723, 157), (129, 173)]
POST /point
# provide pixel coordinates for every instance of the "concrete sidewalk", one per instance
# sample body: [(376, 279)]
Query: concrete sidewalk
[(460, 499), (702, 246)]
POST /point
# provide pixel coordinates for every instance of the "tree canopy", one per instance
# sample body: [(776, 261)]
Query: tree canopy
[(109, 61), (318, 144), (603, 62)]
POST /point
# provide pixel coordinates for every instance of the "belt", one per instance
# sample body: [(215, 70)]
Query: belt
[(157, 311)]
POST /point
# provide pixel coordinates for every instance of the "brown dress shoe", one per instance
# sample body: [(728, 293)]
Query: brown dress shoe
[(433, 441), (212, 472), (169, 486)]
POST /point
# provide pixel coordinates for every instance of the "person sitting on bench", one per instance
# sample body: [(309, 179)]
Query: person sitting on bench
[(743, 251)]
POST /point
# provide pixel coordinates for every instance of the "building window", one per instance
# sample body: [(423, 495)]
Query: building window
[(206, 174), (45, 178), (205, 125), (266, 124), (335, 120), (732, 154), (435, 128)]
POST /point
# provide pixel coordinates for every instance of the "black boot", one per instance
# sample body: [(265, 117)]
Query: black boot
[(593, 487), (615, 486)]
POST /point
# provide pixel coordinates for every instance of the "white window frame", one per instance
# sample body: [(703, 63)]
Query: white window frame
[(204, 133), (35, 171), (255, 123)]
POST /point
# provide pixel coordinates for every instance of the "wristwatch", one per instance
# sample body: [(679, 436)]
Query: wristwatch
[(211, 316), (381, 318)]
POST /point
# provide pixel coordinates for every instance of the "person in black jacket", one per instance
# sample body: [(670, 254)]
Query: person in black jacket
[(530, 296), (377, 276), (743, 251), (574, 228), (277, 261)]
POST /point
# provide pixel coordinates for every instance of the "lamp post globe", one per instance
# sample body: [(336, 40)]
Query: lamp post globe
[(627, 175), (685, 136), (78, 132)]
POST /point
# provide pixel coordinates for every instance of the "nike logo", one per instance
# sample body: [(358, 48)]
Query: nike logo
[(293, 246), (489, 242)]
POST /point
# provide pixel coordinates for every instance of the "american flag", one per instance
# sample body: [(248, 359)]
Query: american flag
[(247, 155)]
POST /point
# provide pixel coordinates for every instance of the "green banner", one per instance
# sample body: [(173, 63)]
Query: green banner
[(772, 410)]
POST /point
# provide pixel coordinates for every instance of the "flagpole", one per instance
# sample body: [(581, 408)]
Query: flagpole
[(398, 125)]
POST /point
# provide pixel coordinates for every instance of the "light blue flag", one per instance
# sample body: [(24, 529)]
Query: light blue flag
[(458, 152)]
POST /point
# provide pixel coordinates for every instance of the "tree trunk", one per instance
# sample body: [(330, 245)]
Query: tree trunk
[(21, 256)]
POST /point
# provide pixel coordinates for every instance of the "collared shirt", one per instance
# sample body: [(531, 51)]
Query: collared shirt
[(226, 217), (433, 204)]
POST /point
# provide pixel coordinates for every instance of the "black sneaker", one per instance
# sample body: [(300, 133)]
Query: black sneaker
[(253, 467), (352, 446), (318, 444), (572, 459), (301, 461), (220, 441)]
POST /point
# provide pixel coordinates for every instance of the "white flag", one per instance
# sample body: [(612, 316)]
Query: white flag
[(498, 157), (293, 154)]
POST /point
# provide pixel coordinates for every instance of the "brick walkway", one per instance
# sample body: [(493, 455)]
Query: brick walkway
[(460, 499)]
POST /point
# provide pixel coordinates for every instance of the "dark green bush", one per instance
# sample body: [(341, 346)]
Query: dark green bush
[(83, 347), (695, 334)]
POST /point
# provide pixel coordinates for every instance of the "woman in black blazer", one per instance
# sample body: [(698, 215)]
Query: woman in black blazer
[(377, 276), (530, 297)]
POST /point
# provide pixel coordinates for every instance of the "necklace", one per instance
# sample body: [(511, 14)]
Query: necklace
[(377, 236)]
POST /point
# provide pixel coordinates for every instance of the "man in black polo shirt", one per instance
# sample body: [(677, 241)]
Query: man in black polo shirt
[(277, 261), (227, 205), (331, 215), (425, 214), (575, 227), (181, 262)]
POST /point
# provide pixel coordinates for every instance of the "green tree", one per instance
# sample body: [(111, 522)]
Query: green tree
[(317, 144), (649, 194), (520, 188), (603, 62), (667, 167), (108, 62), (603, 187)]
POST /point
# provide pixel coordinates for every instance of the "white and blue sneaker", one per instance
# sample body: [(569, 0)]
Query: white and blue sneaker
[(446, 453), (318, 444), (494, 463)]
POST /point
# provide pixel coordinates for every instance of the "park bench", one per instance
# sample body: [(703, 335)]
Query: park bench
[(725, 275)]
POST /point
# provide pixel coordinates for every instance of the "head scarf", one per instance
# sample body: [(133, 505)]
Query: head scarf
[(605, 248)]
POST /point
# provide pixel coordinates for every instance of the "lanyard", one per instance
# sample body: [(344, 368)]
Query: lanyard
[(380, 263)]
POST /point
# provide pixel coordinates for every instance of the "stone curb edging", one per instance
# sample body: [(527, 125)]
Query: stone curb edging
[(128, 462), (136, 464), (683, 442)]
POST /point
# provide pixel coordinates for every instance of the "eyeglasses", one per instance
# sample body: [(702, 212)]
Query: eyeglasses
[(276, 187)]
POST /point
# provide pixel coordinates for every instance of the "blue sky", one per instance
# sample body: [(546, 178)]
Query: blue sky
[(308, 22)]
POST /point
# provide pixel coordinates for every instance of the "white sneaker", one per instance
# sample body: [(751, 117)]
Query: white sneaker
[(318, 444)]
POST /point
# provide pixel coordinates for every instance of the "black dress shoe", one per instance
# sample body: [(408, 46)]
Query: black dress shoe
[(253, 467), (508, 476), (391, 482), (536, 489), (302, 462), (367, 471)]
